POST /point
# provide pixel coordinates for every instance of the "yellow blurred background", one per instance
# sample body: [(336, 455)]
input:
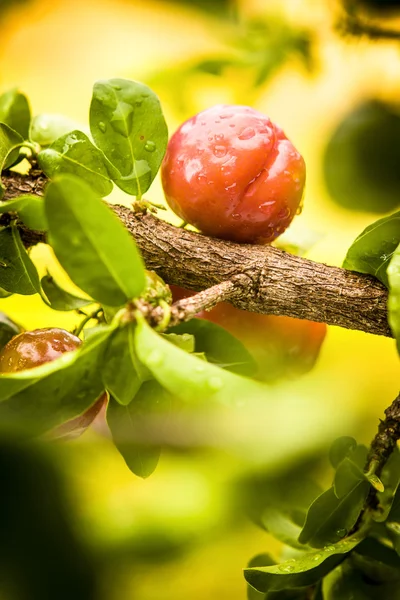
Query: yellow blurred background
[(54, 51)]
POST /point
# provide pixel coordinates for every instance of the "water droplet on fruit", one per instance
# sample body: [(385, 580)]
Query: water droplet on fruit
[(219, 151), (203, 123), (217, 121), (215, 383), (219, 137), (226, 116), (285, 568), (264, 207), (284, 213), (247, 134), (150, 146), (236, 217), (341, 532), (201, 178), (102, 127), (231, 187), (155, 358)]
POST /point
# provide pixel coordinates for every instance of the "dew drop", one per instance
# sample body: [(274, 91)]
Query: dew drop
[(219, 137), (341, 532), (201, 178), (236, 217), (155, 358), (215, 383), (217, 121), (247, 134), (210, 138), (232, 125), (203, 123), (150, 146), (285, 568), (317, 557), (102, 127), (219, 151), (226, 116), (329, 548)]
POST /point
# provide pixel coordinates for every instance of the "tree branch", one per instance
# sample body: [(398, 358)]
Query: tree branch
[(266, 280), (386, 439)]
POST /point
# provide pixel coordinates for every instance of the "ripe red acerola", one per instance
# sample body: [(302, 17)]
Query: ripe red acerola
[(281, 346), (233, 174), (31, 349)]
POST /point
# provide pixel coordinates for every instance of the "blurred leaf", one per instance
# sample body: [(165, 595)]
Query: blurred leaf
[(347, 583), (30, 209), (42, 397), (362, 157), (372, 251), (91, 244), (120, 376), (59, 298), (350, 471), (377, 561), (260, 560), (15, 112), (340, 449), (8, 329), (306, 570), (75, 154), (219, 346), (282, 527), (188, 377), (391, 480), (393, 528), (131, 427), (127, 124), (18, 274), (47, 128), (219, 7), (393, 272), (9, 140), (330, 518)]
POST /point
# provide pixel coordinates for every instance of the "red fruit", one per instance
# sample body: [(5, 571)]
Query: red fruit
[(34, 348), (281, 346), (233, 174)]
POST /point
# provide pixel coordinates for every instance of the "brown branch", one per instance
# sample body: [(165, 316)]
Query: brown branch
[(186, 309), (386, 439), (267, 280)]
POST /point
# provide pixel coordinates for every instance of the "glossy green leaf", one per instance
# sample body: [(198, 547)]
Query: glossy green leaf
[(282, 527), (9, 141), (377, 561), (260, 560), (91, 244), (391, 480), (347, 477), (393, 272), (8, 329), (15, 112), (329, 518), (346, 582), (372, 251), (132, 427), (30, 209), (219, 346), (60, 299), (40, 398), (188, 377), (184, 341), (75, 154), (47, 128), (120, 376), (306, 570), (18, 274), (340, 449), (127, 124)]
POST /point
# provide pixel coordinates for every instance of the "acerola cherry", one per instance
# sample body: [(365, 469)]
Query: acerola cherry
[(34, 348), (281, 346), (233, 174)]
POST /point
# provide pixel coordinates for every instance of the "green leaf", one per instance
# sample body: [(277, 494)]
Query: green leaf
[(8, 329), (393, 273), (346, 582), (18, 274), (132, 427), (60, 299), (330, 518), (40, 398), (47, 128), (260, 560), (15, 112), (378, 562), (391, 480), (75, 154), (184, 341), (393, 529), (9, 141), (306, 570), (282, 527), (340, 449), (91, 244), (120, 376), (219, 346), (372, 251), (347, 477), (187, 376), (30, 209), (127, 124)]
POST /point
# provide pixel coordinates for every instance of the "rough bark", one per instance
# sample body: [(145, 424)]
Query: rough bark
[(267, 280)]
